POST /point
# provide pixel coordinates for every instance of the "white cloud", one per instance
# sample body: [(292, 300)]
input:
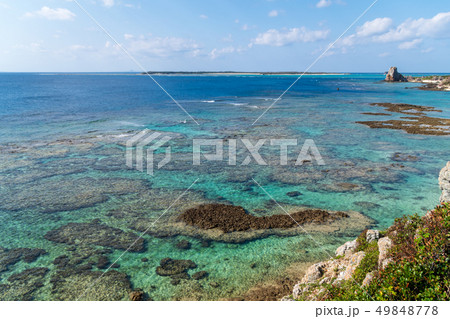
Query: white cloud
[(366, 31), (203, 16), (409, 44), (409, 34), (437, 26), (108, 3), (215, 53), (52, 14), (273, 13), (80, 47), (128, 36), (323, 3), (288, 36), (163, 47), (377, 26)]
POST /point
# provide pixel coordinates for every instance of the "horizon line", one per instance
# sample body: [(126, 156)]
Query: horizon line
[(224, 72)]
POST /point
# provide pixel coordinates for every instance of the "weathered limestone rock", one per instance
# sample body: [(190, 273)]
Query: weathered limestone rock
[(368, 279), (444, 183), (394, 76), (332, 272), (372, 234), (384, 244), (350, 266), (313, 273), (297, 291), (347, 248)]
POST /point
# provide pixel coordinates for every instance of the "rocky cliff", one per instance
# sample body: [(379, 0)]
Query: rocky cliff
[(337, 270), (395, 264), (444, 183)]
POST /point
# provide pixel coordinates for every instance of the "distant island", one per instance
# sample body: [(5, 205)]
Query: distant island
[(236, 73)]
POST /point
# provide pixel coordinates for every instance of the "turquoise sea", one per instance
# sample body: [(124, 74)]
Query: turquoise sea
[(68, 200)]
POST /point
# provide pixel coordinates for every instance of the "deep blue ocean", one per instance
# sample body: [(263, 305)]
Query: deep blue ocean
[(62, 160)]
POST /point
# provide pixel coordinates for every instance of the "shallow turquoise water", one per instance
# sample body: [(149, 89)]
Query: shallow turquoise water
[(60, 131)]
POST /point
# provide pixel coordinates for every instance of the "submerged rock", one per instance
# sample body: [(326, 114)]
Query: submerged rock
[(175, 268), (294, 194), (96, 234), (214, 284), (230, 218), (137, 295), (103, 262), (341, 187), (24, 285), (9, 257), (73, 285), (367, 205), (417, 122), (270, 291), (400, 157), (67, 194), (205, 243), (200, 275), (183, 245), (74, 278)]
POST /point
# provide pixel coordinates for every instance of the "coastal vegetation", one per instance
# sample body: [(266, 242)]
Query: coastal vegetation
[(415, 265)]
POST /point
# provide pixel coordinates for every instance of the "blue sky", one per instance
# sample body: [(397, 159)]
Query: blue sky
[(242, 35)]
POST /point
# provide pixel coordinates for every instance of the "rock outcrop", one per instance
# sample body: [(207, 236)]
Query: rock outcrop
[(444, 183), (384, 244), (333, 271), (366, 258), (343, 267), (347, 248), (394, 76), (372, 234)]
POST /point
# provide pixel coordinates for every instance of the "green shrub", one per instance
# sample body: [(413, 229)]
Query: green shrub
[(421, 267), (368, 264), (361, 242)]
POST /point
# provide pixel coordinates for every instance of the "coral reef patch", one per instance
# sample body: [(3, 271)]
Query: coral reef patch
[(98, 234), (417, 122), (230, 218)]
